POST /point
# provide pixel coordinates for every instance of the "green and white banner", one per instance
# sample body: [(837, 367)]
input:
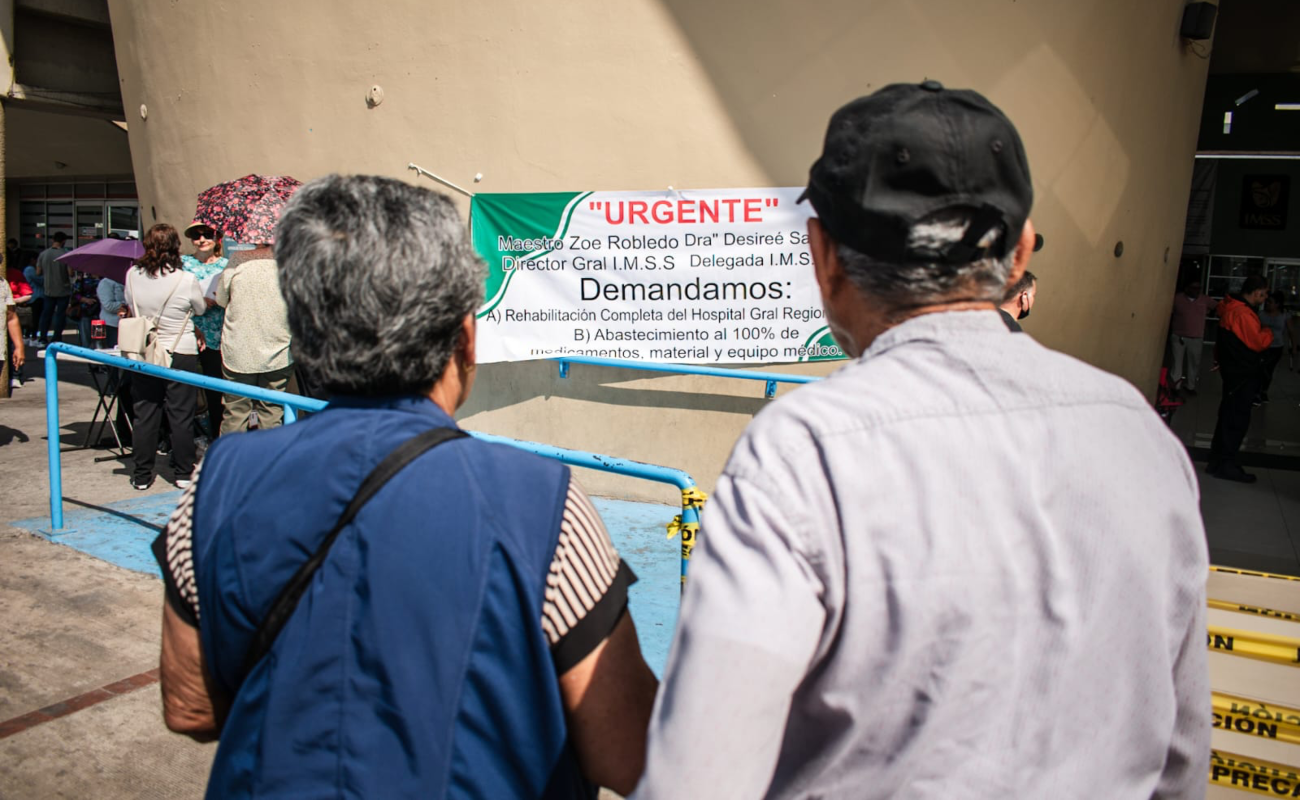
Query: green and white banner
[(716, 276)]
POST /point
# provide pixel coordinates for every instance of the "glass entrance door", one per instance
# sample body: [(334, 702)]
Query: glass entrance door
[(124, 220), (1284, 276), (1227, 272), (90, 222)]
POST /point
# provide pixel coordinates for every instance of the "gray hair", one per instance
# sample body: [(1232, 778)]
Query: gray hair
[(377, 276), (899, 287)]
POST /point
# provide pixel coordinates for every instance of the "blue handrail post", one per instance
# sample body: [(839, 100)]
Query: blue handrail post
[(52, 435), (692, 498), (690, 515), (564, 367), (291, 403)]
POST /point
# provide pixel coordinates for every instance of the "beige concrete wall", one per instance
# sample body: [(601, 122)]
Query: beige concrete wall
[(649, 93)]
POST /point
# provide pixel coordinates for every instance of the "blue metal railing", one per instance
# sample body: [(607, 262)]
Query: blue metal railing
[(770, 378), (293, 403)]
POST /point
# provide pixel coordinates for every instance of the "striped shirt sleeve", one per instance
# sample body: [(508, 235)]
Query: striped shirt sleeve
[(586, 590), (174, 551)]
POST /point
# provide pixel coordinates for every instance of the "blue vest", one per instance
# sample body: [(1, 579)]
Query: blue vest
[(415, 664)]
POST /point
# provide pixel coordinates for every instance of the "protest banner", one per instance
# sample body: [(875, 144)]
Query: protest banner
[(703, 276)]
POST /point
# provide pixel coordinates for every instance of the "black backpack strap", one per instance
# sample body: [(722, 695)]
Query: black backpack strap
[(287, 601)]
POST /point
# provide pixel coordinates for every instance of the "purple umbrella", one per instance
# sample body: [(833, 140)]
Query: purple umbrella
[(108, 258)]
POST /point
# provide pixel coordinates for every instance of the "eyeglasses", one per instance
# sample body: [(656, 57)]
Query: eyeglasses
[(202, 233)]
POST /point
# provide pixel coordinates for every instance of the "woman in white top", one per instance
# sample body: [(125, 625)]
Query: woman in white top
[(157, 288)]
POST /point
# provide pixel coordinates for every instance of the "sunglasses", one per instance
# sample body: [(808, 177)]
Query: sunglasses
[(202, 233)]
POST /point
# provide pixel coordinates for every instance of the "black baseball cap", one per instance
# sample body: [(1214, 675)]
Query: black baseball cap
[(895, 157)]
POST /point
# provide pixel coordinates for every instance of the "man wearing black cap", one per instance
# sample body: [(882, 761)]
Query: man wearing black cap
[(964, 565)]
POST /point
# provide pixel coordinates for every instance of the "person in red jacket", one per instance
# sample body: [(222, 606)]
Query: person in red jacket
[(1239, 349), (22, 297)]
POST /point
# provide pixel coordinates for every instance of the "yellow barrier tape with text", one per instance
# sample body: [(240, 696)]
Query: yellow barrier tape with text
[(1254, 718), (688, 530), (1253, 775), (1261, 646), (1253, 573), (691, 498), (1227, 605)]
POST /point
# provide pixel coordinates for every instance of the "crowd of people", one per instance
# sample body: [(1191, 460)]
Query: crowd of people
[(901, 581), (1254, 331), (47, 294), (221, 317), (902, 585), (213, 315)]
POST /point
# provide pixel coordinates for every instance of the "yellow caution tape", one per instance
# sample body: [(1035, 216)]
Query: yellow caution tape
[(1253, 573), (1253, 775), (1249, 644), (1255, 718), (1226, 605), (693, 497), (688, 530)]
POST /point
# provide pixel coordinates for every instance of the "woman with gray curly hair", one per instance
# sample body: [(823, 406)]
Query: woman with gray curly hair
[(464, 633)]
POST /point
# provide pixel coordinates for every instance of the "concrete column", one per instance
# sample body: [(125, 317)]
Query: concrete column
[(4, 313), (6, 83)]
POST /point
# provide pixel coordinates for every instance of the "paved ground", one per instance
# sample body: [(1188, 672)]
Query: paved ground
[(79, 708), (71, 624), (79, 613)]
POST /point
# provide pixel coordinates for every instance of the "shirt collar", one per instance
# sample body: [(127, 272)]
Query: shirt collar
[(415, 403), (938, 326)]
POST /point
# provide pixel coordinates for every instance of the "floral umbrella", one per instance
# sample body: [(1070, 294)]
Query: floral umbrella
[(247, 209)]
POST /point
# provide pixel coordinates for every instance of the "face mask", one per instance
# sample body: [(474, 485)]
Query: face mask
[(1024, 312)]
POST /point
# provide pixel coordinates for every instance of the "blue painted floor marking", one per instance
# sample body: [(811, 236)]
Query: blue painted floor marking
[(639, 532), (119, 533), (122, 532)]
